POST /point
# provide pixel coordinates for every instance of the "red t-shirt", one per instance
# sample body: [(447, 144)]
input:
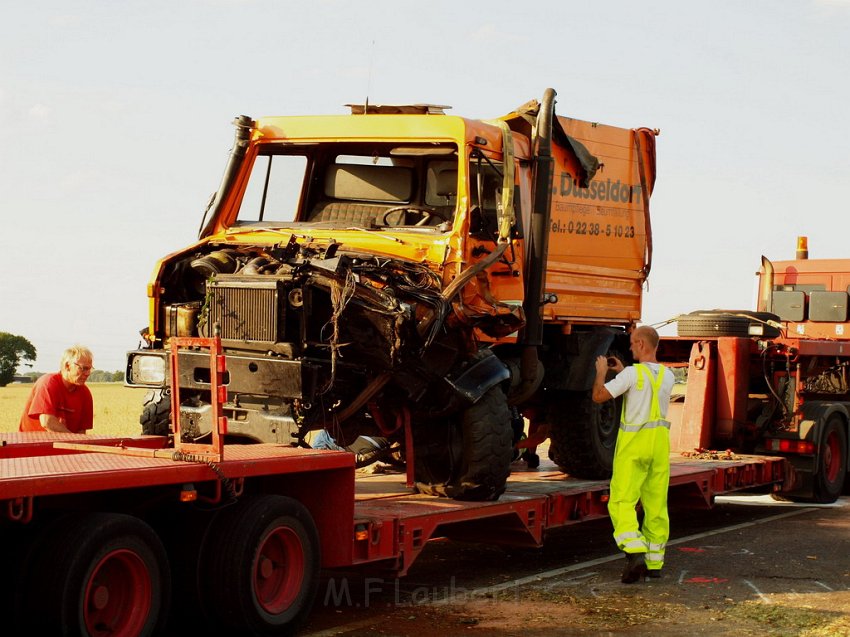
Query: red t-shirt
[(50, 396)]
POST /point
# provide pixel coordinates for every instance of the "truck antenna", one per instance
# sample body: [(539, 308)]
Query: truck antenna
[(369, 81)]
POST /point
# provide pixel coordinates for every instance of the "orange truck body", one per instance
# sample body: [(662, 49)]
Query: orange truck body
[(600, 241)]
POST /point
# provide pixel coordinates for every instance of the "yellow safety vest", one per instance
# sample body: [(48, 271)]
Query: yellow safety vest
[(655, 418)]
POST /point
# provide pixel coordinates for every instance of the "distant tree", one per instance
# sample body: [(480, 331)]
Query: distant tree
[(102, 376), (14, 350)]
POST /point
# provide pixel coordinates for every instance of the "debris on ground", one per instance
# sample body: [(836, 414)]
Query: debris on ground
[(710, 454)]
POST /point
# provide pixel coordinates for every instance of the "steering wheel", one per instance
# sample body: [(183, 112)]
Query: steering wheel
[(421, 210)]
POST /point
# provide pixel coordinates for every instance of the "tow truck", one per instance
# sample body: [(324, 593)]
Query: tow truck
[(773, 380)]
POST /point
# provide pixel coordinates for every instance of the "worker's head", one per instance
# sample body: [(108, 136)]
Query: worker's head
[(643, 343), (76, 364)]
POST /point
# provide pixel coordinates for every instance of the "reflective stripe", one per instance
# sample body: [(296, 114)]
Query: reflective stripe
[(646, 425), (655, 554), (631, 542)]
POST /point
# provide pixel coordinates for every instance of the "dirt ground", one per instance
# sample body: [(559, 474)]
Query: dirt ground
[(787, 573)]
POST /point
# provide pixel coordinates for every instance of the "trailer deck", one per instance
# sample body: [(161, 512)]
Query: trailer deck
[(388, 525), (399, 523)]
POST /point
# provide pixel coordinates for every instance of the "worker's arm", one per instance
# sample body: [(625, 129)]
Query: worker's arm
[(600, 394), (52, 423)]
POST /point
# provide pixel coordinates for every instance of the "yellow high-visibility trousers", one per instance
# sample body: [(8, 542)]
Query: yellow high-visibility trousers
[(641, 474)]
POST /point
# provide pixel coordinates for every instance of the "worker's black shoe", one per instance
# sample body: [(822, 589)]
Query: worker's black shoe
[(654, 573), (368, 449), (635, 569)]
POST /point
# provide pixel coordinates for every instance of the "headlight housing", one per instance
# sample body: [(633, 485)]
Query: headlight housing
[(146, 369)]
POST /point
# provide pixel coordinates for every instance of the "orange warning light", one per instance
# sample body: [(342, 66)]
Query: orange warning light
[(802, 247), (188, 493)]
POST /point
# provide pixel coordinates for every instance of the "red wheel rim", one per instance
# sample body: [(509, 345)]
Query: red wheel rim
[(278, 570), (117, 598), (832, 457)]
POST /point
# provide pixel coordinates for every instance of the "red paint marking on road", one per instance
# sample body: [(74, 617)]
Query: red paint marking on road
[(690, 549), (706, 580)]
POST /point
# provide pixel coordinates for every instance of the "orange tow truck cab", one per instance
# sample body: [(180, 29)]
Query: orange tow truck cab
[(773, 380)]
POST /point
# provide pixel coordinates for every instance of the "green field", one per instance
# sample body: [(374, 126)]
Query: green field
[(116, 408)]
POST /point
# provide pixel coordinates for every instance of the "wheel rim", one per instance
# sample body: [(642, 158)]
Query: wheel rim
[(117, 598), (279, 570), (609, 423), (832, 458)]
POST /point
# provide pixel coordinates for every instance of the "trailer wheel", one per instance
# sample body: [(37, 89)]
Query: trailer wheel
[(473, 461), (832, 461), (583, 434), (710, 323), (156, 413), (260, 566), (99, 575)]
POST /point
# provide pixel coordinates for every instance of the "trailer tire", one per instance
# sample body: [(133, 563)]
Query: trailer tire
[(485, 453), (156, 413), (260, 566), (711, 323), (583, 434), (96, 574), (832, 461)]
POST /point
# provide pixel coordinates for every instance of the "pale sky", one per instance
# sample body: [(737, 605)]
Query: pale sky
[(115, 127)]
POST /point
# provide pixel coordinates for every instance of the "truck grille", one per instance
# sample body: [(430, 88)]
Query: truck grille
[(246, 308)]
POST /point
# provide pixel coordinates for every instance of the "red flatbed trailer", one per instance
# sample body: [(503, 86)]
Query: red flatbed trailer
[(296, 510)]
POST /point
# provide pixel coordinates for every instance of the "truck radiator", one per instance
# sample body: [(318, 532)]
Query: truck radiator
[(246, 308)]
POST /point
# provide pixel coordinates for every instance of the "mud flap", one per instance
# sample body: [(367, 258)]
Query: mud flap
[(476, 379), (582, 368)]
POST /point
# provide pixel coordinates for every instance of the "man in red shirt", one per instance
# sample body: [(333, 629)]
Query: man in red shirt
[(61, 401)]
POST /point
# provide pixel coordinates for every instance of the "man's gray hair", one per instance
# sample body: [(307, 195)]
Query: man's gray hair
[(73, 354)]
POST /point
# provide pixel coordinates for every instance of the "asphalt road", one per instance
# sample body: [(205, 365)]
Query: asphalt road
[(749, 552)]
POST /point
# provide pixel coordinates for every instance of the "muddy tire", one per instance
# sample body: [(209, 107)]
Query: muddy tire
[(475, 461), (832, 462), (711, 323), (583, 434), (259, 566), (96, 574), (156, 413)]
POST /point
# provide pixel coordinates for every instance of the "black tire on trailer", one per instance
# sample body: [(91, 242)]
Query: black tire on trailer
[(260, 566), (831, 468), (583, 434), (182, 530), (710, 323), (15, 543), (478, 468), (96, 574), (156, 413)]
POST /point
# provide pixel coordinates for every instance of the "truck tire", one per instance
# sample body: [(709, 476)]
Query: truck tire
[(260, 566), (710, 323), (832, 461), (485, 452), (96, 574), (583, 434), (156, 413)]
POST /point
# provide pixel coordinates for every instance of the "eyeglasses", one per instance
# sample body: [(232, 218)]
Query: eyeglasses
[(83, 368)]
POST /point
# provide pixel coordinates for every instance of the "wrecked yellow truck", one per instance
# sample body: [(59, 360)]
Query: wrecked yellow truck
[(416, 277)]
